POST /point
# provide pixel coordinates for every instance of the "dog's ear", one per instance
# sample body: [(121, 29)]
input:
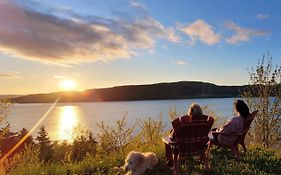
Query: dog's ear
[(129, 155)]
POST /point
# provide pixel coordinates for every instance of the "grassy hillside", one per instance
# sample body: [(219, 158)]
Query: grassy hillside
[(256, 161)]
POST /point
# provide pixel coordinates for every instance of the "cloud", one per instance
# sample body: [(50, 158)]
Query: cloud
[(172, 36), (58, 77), (11, 74), (139, 6), (179, 62), (242, 34), (30, 34), (76, 73), (200, 30), (262, 16)]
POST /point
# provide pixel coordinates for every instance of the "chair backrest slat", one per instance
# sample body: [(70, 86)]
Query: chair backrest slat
[(249, 120), (192, 134), (246, 126)]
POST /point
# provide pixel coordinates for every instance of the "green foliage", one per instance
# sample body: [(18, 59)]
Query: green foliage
[(264, 94), (91, 160), (115, 139), (45, 145), (151, 131), (4, 109), (62, 152), (4, 166), (256, 161), (83, 145), (27, 161), (23, 132)]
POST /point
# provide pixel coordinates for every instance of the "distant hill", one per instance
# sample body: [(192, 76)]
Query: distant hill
[(160, 91), (8, 96)]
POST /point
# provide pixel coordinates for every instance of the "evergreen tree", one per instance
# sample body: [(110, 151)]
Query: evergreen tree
[(22, 133), (45, 145)]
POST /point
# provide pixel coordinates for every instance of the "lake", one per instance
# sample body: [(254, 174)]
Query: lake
[(66, 119)]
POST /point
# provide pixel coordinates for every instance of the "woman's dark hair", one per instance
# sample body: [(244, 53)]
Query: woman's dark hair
[(242, 108)]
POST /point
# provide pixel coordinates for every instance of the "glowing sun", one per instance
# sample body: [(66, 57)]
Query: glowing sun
[(67, 85)]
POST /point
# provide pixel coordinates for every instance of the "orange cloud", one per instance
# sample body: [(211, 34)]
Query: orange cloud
[(242, 34), (31, 35), (200, 30), (11, 74)]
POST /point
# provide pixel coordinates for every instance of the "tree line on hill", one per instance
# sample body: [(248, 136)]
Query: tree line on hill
[(160, 91)]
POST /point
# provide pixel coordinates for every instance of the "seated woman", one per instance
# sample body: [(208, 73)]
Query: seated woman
[(229, 132), (194, 113)]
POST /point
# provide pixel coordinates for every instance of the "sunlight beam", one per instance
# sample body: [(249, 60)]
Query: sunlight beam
[(29, 132)]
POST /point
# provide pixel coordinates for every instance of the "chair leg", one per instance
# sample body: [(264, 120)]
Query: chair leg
[(169, 154), (176, 164), (208, 148), (205, 161), (236, 152)]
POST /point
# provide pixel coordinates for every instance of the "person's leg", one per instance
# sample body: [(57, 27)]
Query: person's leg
[(169, 154), (215, 137)]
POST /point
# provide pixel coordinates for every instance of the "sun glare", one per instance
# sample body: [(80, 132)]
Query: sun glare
[(68, 121), (67, 85)]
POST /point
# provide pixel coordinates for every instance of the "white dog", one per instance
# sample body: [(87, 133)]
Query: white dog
[(136, 162)]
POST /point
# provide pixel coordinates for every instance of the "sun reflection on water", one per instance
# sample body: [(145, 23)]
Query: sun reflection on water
[(68, 123)]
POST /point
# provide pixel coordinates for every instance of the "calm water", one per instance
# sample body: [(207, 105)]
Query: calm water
[(65, 117)]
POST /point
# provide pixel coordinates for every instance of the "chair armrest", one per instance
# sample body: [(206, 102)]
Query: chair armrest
[(167, 140), (215, 134)]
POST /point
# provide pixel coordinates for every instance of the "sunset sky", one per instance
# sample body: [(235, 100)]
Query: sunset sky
[(107, 43)]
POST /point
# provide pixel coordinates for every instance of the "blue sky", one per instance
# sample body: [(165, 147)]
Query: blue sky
[(116, 42)]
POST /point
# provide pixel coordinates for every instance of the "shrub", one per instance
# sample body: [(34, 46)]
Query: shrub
[(114, 139), (151, 131), (264, 94), (4, 109), (83, 145)]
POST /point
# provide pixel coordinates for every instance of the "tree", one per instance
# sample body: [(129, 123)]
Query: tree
[(28, 141), (4, 109), (82, 145), (115, 139), (4, 125), (45, 145), (264, 94), (151, 130)]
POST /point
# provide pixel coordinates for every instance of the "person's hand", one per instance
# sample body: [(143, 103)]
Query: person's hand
[(218, 130), (215, 133)]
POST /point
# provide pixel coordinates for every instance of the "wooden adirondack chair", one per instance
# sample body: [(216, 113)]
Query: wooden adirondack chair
[(240, 139), (191, 137)]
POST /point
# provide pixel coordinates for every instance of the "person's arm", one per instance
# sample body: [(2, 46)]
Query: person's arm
[(225, 129)]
